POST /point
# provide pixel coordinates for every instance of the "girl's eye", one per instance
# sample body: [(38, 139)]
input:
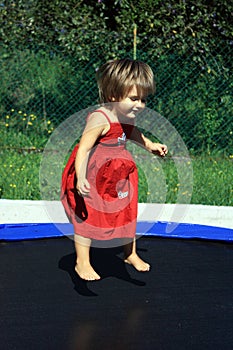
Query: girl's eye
[(137, 99)]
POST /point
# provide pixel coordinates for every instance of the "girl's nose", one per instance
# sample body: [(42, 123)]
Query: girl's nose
[(140, 104)]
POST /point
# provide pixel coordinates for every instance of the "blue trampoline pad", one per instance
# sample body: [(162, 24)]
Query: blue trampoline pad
[(27, 231)]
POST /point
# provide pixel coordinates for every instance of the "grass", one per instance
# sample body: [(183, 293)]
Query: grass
[(19, 175), (166, 180), (211, 183), (212, 180)]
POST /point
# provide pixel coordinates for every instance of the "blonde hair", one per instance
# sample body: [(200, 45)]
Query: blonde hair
[(116, 78)]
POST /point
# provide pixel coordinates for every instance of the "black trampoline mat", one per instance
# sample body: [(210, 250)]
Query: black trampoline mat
[(184, 302)]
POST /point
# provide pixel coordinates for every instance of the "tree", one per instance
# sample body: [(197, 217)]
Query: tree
[(78, 26)]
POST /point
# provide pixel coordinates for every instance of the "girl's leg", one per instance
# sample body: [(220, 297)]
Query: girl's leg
[(83, 266), (132, 258)]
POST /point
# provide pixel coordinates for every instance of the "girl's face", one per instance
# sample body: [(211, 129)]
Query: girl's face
[(130, 105)]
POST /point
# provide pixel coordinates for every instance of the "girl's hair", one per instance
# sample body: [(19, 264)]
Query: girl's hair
[(116, 78)]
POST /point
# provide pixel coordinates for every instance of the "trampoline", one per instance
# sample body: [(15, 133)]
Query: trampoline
[(184, 302)]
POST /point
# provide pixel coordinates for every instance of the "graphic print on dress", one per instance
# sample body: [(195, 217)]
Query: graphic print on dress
[(122, 139)]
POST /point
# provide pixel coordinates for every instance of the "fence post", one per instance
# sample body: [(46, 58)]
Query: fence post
[(135, 41)]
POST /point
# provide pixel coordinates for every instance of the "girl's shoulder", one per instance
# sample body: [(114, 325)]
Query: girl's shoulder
[(102, 114), (99, 120)]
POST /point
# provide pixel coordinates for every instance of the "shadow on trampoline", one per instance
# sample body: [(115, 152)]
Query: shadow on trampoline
[(106, 263), (185, 302)]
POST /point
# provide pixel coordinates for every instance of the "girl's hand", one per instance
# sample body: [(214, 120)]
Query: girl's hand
[(159, 149), (156, 148), (83, 187)]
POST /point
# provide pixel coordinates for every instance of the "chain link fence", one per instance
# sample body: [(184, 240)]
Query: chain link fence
[(193, 92), (41, 88)]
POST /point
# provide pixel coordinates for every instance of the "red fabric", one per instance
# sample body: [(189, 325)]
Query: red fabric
[(110, 210)]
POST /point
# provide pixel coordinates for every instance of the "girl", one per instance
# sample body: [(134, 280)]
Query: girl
[(99, 182)]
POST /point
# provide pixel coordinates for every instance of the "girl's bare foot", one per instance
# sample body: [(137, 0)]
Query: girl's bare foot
[(137, 262), (86, 272)]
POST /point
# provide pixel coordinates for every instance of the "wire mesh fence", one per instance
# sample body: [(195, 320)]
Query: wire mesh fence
[(42, 88)]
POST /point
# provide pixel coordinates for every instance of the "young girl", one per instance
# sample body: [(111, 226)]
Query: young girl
[(99, 182)]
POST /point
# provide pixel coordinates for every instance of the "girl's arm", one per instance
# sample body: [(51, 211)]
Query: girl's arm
[(153, 147), (95, 128)]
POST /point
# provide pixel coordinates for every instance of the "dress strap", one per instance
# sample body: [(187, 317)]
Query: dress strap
[(105, 114)]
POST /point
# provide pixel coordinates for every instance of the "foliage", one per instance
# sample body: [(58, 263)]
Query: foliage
[(195, 98), (49, 53), (19, 130), (158, 178), (187, 26), (78, 27)]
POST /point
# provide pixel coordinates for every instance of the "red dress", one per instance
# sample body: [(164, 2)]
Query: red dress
[(110, 209)]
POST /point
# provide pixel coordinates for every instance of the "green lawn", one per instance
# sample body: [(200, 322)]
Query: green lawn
[(159, 180)]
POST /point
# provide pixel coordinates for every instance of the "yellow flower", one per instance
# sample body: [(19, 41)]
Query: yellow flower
[(20, 112), (12, 110), (6, 125), (7, 117), (29, 123), (48, 122)]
